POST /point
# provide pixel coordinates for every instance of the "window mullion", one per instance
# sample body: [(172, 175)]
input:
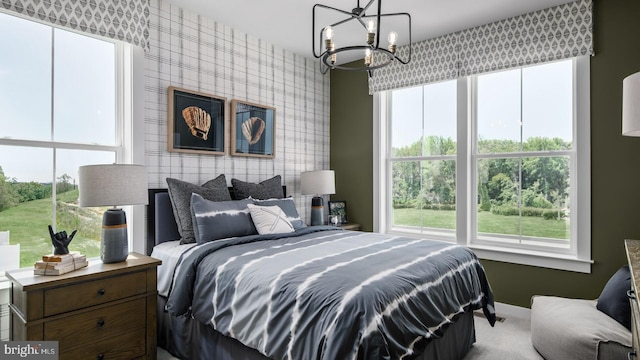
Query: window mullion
[(52, 129)]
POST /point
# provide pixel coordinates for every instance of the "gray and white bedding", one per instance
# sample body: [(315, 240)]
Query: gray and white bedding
[(325, 293), (169, 253)]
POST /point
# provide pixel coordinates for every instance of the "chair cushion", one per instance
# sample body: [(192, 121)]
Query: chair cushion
[(564, 328), (613, 300)]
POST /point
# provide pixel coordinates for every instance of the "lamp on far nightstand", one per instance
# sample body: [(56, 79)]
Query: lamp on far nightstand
[(321, 182), (631, 105), (113, 185)]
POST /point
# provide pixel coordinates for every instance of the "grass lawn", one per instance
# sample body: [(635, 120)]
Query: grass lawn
[(28, 223), (487, 223)]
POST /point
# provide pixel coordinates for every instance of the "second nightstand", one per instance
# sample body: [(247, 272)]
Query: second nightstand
[(351, 226)]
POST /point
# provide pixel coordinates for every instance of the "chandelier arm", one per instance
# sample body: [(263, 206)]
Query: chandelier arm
[(344, 21), (323, 70), (409, 28), (378, 21), (331, 8), (368, 6), (313, 27)]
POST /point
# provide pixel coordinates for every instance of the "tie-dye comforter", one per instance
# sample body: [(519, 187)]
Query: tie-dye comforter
[(322, 293)]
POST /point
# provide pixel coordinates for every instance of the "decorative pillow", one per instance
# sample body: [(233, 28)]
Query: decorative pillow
[(268, 189), (270, 220), (288, 206), (613, 300), (213, 220), (180, 194)]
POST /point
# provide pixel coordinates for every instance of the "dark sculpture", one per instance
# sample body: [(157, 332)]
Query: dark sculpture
[(60, 241)]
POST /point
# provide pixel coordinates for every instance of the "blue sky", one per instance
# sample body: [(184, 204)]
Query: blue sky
[(83, 108), (545, 112)]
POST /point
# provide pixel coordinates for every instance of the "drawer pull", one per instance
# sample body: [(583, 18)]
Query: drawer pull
[(100, 323), (101, 292), (631, 294), (100, 357), (631, 355)]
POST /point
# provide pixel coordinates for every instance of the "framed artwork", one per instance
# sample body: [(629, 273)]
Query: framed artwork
[(339, 208), (196, 122), (253, 130)]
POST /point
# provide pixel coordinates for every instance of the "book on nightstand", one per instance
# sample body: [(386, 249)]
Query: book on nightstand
[(60, 264)]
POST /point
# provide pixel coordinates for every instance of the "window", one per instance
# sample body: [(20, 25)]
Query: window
[(497, 161), (423, 159), (61, 106)]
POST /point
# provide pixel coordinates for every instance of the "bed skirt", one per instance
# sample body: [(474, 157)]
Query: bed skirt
[(186, 338)]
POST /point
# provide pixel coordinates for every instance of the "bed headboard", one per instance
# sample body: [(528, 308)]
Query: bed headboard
[(161, 224)]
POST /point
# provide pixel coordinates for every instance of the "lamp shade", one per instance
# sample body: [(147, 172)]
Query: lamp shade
[(631, 105), (112, 185), (321, 182)]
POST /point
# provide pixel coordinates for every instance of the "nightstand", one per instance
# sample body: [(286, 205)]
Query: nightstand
[(102, 311), (351, 226)]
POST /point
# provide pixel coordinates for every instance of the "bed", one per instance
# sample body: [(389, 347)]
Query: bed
[(317, 292)]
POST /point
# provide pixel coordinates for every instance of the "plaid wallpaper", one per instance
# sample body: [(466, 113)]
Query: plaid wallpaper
[(195, 53)]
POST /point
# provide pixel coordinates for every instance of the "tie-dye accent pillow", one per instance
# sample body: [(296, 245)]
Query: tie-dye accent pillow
[(213, 220)]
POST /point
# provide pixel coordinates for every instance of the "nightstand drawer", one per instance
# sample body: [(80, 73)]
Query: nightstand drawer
[(78, 296), (96, 325), (125, 346)]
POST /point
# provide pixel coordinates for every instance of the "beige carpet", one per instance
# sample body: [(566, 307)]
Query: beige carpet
[(508, 340)]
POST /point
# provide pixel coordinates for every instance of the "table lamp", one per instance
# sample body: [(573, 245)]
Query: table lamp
[(321, 182), (113, 185), (631, 105)]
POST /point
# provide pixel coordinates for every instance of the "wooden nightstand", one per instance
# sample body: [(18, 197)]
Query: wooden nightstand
[(103, 311), (351, 226)]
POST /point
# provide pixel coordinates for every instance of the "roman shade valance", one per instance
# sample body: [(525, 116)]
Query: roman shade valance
[(126, 20), (555, 33)]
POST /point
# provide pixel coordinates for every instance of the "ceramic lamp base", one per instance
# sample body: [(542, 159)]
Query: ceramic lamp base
[(114, 246), (317, 211)]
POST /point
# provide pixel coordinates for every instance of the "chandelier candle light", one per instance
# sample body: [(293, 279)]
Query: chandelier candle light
[(369, 43), (113, 185)]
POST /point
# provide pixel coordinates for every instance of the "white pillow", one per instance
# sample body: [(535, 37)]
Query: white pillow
[(270, 219)]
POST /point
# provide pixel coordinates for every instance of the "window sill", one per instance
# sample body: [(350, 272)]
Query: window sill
[(508, 255), (533, 258)]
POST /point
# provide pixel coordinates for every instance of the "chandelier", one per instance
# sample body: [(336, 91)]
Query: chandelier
[(325, 39)]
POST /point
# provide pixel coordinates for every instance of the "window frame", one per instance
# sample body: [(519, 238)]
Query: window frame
[(129, 95), (578, 259)]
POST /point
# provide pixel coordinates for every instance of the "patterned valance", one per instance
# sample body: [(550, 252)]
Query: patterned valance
[(551, 34), (431, 60), (126, 20)]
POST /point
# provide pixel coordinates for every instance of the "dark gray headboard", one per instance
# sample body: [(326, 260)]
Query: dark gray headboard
[(161, 224)]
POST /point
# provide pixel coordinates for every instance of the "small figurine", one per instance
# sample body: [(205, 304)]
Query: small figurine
[(60, 241)]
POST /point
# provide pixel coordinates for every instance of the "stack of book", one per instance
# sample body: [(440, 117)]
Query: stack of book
[(60, 264)]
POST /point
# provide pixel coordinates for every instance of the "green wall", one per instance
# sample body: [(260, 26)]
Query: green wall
[(351, 138), (615, 162)]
